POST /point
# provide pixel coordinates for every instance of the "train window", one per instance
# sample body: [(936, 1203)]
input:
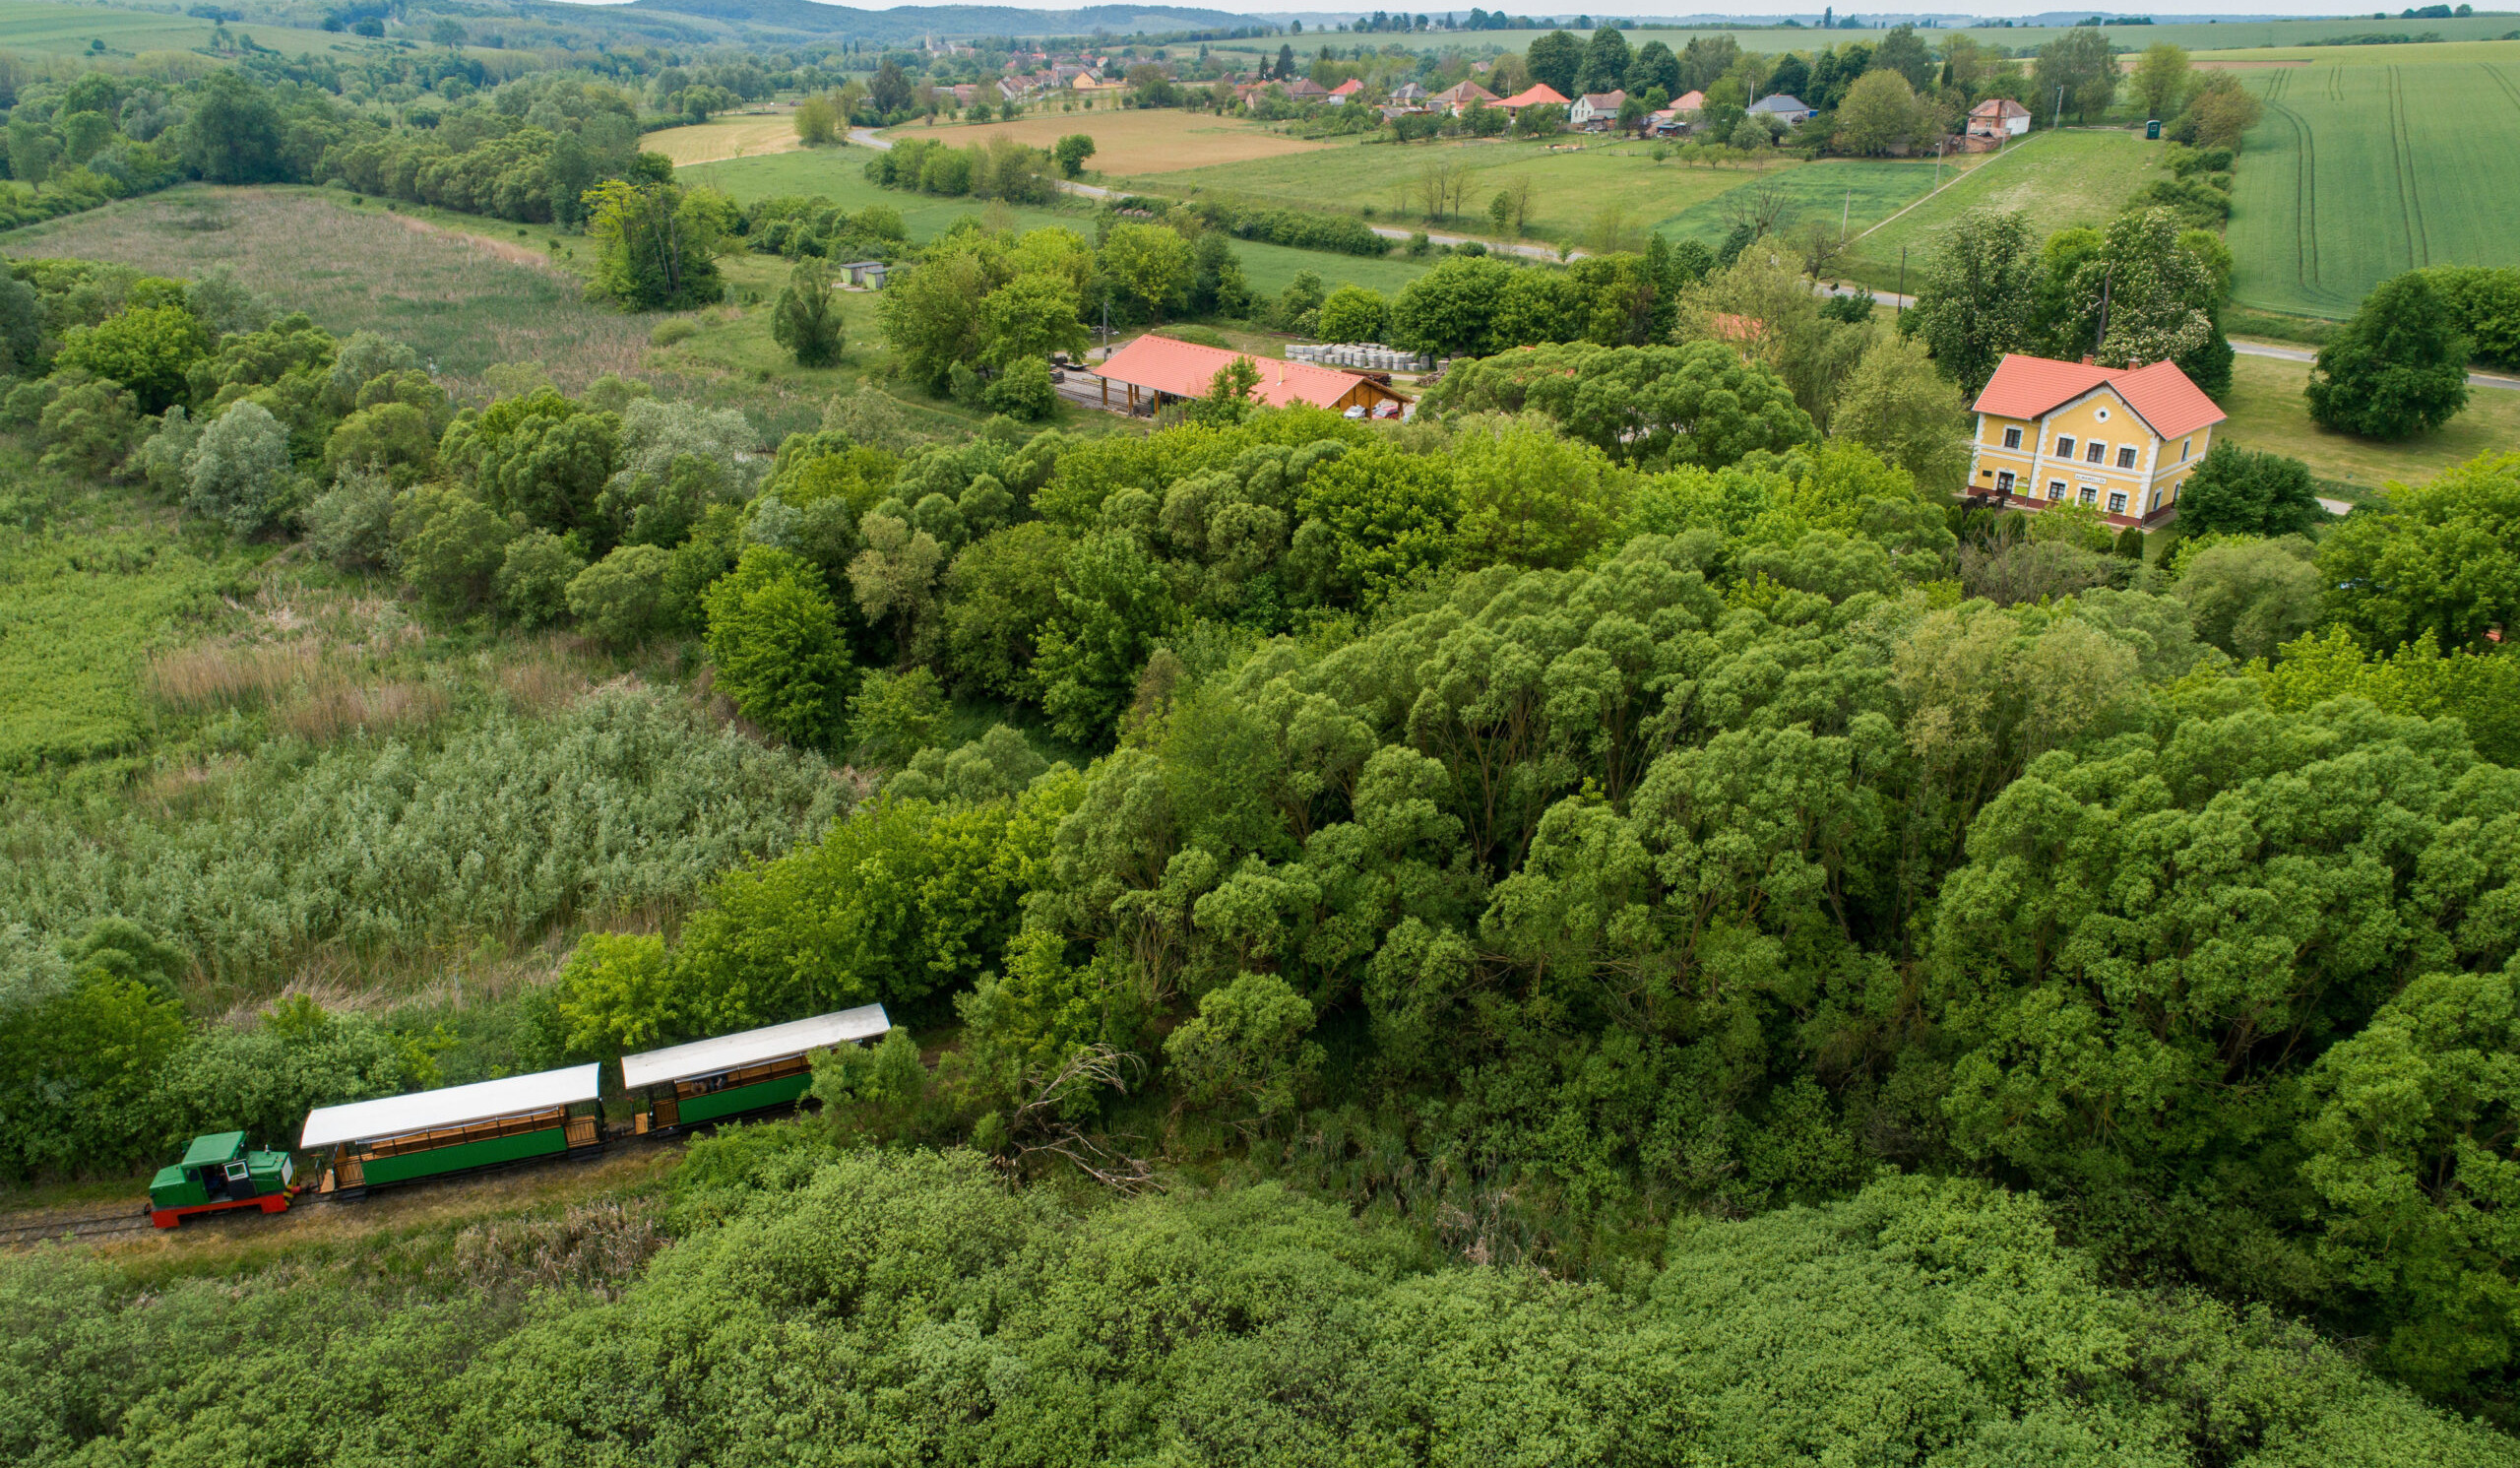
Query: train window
[(235, 1170)]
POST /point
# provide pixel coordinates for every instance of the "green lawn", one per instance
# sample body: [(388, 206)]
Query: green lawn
[(2064, 178), (2267, 412), (1859, 192), (1569, 190), (2361, 169), (839, 174)]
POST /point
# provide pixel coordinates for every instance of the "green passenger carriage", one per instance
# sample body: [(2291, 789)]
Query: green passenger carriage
[(430, 1133), (711, 1079), (219, 1174)]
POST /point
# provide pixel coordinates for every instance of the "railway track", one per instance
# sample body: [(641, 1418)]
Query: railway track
[(81, 1225)]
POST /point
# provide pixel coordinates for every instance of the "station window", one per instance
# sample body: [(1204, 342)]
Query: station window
[(2064, 447), (2155, 503), (2127, 456), (2095, 452), (2091, 494), (2003, 483), (2013, 439), (2117, 502), (2184, 445), (2055, 488)]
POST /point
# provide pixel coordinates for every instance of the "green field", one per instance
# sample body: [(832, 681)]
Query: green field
[(69, 29), (2360, 170), (835, 174), (2075, 176), (1569, 190), (2196, 36), (1857, 192), (2268, 413), (839, 174)]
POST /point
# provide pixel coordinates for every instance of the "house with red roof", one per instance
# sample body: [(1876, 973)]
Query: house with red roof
[(1459, 96), (1345, 92), (1537, 95), (2121, 440), (1155, 370)]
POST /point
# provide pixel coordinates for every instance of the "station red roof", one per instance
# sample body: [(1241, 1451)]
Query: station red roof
[(2026, 387), (1184, 369)]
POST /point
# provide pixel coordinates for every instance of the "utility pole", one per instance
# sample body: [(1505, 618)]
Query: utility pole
[(1844, 211), (2059, 120), (1897, 312), (2105, 272), (1937, 163)]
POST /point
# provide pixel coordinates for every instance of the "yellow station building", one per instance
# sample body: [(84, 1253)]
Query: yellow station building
[(2121, 440)]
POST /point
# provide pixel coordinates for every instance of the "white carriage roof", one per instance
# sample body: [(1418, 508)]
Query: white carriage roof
[(482, 1101), (752, 1046)]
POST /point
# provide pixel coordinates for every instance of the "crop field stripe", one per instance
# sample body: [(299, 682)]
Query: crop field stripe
[(2418, 244), (2494, 74)]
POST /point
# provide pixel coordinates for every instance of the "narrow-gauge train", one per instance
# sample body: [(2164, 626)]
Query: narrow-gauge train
[(365, 1146)]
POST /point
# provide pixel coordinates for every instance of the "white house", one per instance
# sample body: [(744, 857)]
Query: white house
[(1784, 108), (1998, 117), (1595, 108)]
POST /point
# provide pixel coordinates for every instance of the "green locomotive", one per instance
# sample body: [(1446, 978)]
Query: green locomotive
[(220, 1172)]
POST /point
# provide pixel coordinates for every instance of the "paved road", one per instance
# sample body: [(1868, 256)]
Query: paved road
[(2304, 354)]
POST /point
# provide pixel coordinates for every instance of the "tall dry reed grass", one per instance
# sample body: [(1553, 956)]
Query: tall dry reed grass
[(320, 692)]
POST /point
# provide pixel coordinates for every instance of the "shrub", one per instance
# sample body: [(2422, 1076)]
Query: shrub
[(2237, 492), (1023, 390), (674, 332), (619, 598), (534, 575), (352, 523), (1352, 313), (238, 471), (775, 639)]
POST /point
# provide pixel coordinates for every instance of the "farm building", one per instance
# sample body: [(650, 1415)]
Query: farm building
[(1784, 108), (1154, 370), (1409, 95), (1998, 117), (710, 1079), (2122, 440), (1346, 92), (1307, 89), (1537, 95), (1457, 98), (397, 1138), (1690, 103), (1595, 110)]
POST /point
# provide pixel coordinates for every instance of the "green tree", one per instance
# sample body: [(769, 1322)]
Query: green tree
[(1375, 521), (617, 994), (1898, 406), (1605, 62), (894, 716), (1555, 59), (1880, 114), (1904, 52), (2444, 568), (1031, 317), (1352, 313), (2241, 493), (1024, 391), (450, 546), (1448, 310), (621, 598), (933, 314), (1980, 297), (2398, 368), (1071, 152), (2160, 302), (238, 469), (149, 350), (774, 638), (2249, 598), (541, 456), (1147, 264), (2162, 80), (534, 578), (1529, 497), (1246, 1050), (234, 134), (2079, 62), (2411, 1156), (657, 245), (807, 319), (1112, 606), (1700, 404)]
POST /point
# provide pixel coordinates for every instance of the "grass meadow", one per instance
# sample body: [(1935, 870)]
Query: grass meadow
[(2364, 168), (2064, 178), (68, 29), (465, 291), (1569, 190), (746, 135), (839, 174), (2268, 412), (1134, 141)]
